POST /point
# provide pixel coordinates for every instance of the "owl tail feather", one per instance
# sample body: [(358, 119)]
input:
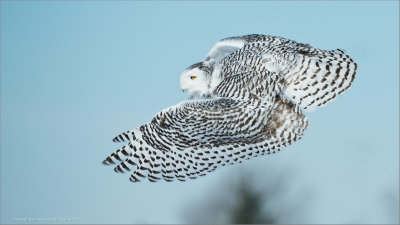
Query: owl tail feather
[(287, 123)]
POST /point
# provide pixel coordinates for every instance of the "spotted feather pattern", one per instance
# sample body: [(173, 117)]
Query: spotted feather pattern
[(313, 77), (259, 86), (182, 142), (263, 85)]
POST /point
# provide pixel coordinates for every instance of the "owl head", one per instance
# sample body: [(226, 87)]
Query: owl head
[(196, 79)]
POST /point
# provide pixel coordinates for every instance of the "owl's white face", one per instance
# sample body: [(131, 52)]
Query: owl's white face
[(195, 82)]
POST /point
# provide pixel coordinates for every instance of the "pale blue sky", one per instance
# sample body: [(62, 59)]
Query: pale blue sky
[(76, 73)]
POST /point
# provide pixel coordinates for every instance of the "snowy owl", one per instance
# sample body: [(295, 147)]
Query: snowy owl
[(312, 77), (245, 100)]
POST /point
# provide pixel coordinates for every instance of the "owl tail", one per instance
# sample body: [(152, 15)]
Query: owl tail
[(320, 78), (287, 123)]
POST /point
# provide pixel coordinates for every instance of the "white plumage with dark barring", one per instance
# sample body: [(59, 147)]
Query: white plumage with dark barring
[(245, 100)]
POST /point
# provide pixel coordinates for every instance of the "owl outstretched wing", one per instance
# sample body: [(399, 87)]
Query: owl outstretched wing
[(198, 136), (226, 46), (313, 76)]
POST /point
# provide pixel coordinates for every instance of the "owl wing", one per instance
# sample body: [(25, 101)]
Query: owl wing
[(319, 76), (223, 48), (226, 46), (263, 85), (198, 136), (313, 77)]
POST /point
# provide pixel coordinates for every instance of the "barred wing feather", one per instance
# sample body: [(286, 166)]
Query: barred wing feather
[(198, 136)]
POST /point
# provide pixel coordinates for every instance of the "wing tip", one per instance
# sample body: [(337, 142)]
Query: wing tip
[(108, 161)]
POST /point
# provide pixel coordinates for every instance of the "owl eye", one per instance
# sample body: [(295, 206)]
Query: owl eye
[(193, 77)]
